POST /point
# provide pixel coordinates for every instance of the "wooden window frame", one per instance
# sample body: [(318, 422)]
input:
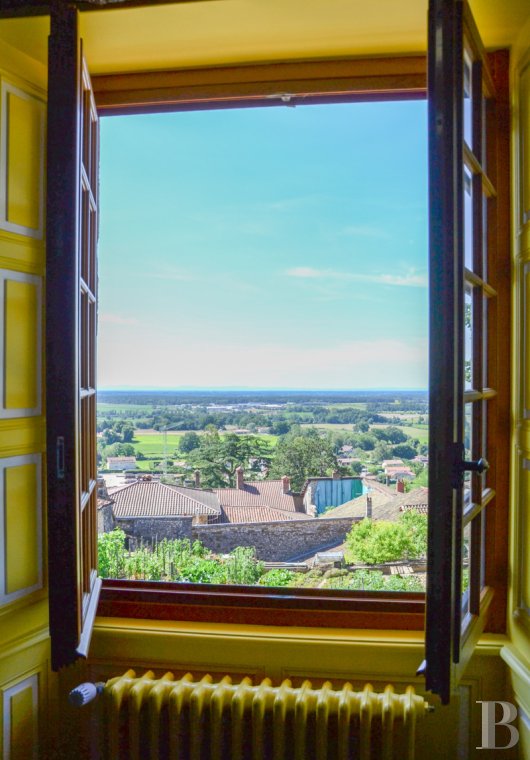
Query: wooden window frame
[(454, 619), (271, 85), (264, 85)]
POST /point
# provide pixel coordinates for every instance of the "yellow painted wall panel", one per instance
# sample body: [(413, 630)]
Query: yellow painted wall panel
[(21, 345), (24, 159), (22, 528), (22, 725)]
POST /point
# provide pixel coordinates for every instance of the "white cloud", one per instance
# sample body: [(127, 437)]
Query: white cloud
[(411, 278), (362, 363)]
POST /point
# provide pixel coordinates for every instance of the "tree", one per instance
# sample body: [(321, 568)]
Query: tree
[(375, 541), (218, 457), (391, 434), (189, 441), (302, 456), (127, 433), (119, 450), (281, 427), (404, 450)]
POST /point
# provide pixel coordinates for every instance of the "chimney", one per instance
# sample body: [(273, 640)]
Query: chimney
[(239, 479), (336, 475), (368, 507), (286, 484), (400, 486), (197, 475)]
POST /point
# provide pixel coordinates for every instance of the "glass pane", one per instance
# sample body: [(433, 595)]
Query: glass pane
[(483, 548), (468, 338), (485, 370), (468, 105), (468, 219), (484, 442), (466, 555), (485, 205), (468, 452)]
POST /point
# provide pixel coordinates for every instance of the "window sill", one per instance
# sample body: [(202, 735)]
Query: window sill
[(151, 600)]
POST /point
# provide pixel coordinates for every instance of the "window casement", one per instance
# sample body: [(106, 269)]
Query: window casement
[(459, 508)]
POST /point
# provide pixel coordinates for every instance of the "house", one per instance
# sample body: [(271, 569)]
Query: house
[(320, 493), (147, 57), (376, 505), (399, 472), (153, 509), (121, 463)]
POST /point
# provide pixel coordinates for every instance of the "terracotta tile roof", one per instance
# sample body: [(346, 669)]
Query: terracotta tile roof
[(154, 499), (258, 494), (256, 514), (383, 506)]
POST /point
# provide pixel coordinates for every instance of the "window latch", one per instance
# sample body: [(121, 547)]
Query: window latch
[(478, 465)]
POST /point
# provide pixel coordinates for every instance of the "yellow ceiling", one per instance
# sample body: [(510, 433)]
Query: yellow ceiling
[(239, 31)]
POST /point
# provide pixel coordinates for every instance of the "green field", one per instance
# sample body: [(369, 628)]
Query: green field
[(330, 427), (105, 409), (152, 444), (421, 432)]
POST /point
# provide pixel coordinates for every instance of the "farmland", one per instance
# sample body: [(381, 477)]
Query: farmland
[(178, 432)]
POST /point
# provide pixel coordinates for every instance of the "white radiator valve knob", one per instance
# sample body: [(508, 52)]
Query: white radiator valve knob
[(85, 693)]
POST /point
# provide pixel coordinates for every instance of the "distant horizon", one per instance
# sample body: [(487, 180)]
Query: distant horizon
[(235, 389)]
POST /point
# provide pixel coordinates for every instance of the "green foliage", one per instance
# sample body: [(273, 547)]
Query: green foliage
[(277, 577), (241, 566), (301, 455), (404, 450), (374, 580), (376, 541), (189, 441), (390, 434), (217, 457), (416, 525), (111, 554), (175, 560), (119, 450)]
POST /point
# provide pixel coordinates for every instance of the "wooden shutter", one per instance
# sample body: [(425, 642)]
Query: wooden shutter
[(463, 306), (71, 341)]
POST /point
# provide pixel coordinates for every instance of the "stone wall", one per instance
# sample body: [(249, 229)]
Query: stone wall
[(156, 528), (275, 541)]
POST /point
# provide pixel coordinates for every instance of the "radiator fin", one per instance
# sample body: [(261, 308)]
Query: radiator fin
[(185, 719)]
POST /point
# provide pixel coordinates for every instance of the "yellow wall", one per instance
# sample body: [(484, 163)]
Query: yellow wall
[(28, 691), (24, 642), (517, 653)]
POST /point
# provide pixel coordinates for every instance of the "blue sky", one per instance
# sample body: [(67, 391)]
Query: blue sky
[(278, 247)]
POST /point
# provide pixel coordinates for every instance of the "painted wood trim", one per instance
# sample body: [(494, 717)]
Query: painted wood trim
[(36, 459), (5, 275), (262, 84), (7, 88), (31, 682)]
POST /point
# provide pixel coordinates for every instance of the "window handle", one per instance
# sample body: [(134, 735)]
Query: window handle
[(478, 465)]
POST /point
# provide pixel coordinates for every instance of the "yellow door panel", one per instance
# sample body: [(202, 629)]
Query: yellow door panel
[(21, 349), (21, 519), (23, 161), (21, 549), (20, 719), (20, 344)]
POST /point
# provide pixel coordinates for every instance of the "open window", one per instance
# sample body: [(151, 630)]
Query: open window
[(464, 234), (467, 302)]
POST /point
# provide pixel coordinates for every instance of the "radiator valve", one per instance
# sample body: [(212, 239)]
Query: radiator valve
[(85, 693)]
